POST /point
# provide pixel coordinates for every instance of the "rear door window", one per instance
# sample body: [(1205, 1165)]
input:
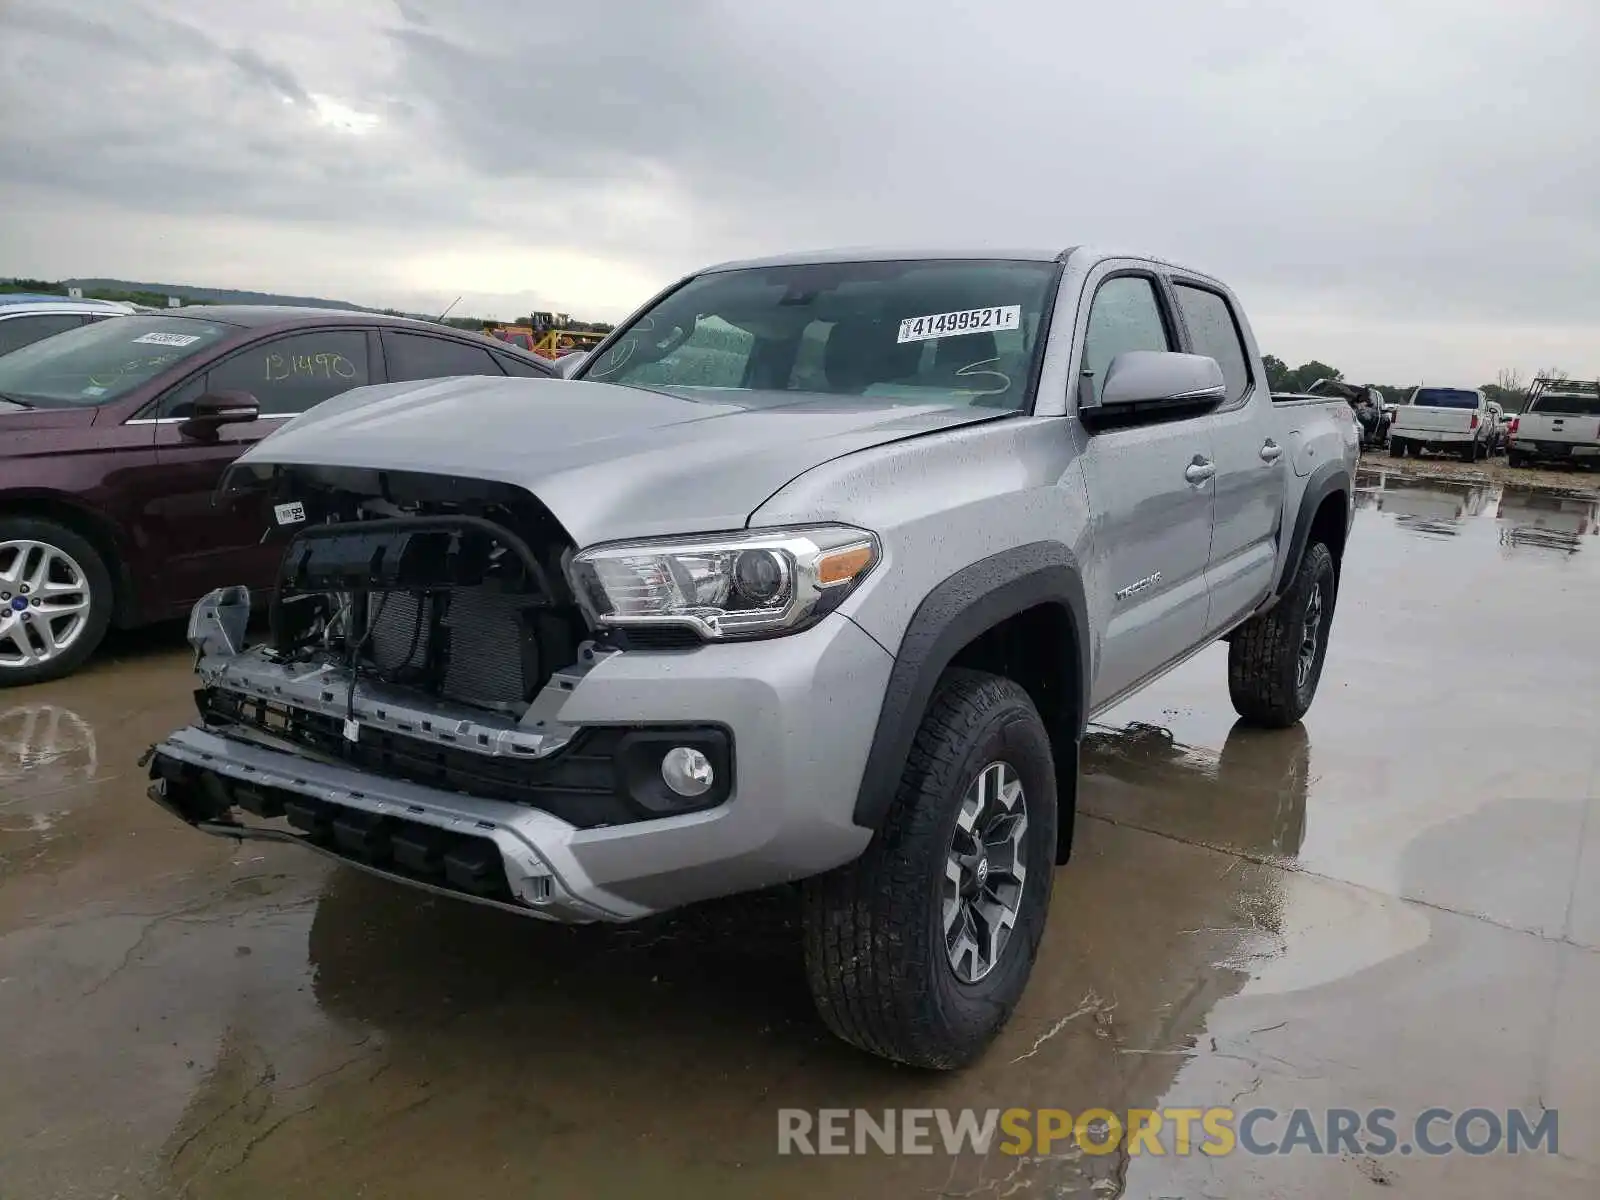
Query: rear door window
[(1215, 333), (419, 356), (521, 366)]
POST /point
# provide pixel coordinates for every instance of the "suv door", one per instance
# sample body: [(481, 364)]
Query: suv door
[(287, 374), (1149, 493), (1251, 483)]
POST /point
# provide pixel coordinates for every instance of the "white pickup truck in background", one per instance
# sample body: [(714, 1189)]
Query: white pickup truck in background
[(1561, 423), (1441, 418)]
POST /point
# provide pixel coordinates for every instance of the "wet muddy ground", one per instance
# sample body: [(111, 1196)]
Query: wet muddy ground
[(1576, 479), (1395, 905)]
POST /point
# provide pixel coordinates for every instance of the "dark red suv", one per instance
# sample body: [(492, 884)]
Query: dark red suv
[(113, 437)]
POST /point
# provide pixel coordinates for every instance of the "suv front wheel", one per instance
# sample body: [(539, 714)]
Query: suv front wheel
[(918, 951)]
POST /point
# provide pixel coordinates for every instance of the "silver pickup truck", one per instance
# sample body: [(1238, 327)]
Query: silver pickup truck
[(814, 573)]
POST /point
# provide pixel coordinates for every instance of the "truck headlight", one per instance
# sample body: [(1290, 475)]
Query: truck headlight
[(738, 585)]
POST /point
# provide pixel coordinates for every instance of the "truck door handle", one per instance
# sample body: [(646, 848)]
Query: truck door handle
[(1271, 451), (1200, 470)]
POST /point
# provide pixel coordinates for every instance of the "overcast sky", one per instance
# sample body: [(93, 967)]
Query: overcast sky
[(1404, 189)]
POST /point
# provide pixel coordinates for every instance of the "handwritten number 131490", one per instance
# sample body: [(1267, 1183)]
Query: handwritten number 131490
[(315, 366)]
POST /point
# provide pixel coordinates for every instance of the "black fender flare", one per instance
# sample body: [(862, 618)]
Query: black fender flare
[(970, 602), (1327, 479)]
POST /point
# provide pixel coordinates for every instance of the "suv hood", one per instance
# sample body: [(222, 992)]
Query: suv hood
[(608, 461)]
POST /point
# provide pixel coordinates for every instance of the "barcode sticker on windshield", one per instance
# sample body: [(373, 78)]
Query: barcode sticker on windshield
[(972, 320), (167, 339), (290, 514)]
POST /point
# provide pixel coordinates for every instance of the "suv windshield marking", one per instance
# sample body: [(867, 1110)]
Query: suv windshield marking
[(99, 363)]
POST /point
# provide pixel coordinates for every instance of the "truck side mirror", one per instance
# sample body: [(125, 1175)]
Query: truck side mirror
[(1145, 386)]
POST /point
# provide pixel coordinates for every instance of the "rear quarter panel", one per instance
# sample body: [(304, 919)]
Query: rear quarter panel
[(1325, 449)]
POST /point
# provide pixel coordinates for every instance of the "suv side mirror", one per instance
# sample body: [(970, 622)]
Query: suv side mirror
[(1144, 386), (216, 409)]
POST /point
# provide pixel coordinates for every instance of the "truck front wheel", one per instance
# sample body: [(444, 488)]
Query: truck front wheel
[(918, 951), (1275, 660)]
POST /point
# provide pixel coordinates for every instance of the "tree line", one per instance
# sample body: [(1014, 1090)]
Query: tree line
[(1510, 388), (538, 320)]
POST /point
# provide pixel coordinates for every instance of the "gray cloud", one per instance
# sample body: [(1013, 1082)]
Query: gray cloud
[(1364, 169), (272, 75)]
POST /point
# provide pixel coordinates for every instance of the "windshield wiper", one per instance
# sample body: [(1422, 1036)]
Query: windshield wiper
[(18, 401)]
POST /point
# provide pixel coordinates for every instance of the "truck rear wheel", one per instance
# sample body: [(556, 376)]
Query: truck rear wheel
[(1397, 447), (1275, 660), (918, 951)]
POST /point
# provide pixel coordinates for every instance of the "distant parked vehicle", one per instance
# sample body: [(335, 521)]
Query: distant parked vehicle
[(113, 438), (1560, 424), (1499, 427), (1372, 413), (1456, 420), (27, 318)]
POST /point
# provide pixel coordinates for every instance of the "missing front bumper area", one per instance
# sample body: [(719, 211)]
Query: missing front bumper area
[(386, 828)]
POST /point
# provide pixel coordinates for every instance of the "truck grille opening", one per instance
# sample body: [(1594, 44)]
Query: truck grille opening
[(579, 783), (451, 587)]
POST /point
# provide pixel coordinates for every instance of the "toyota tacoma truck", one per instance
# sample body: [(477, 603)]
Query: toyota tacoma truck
[(1561, 423), (814, 573), (1442, 418)]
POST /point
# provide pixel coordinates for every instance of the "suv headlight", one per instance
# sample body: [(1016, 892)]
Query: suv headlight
[(728, 586)]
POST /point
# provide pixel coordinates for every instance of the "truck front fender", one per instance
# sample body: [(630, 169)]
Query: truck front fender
[(957, 612)]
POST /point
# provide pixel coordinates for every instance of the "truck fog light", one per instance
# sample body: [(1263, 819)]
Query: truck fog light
[(687, 771)]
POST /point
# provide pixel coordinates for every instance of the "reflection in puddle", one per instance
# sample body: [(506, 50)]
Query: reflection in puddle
[(1248, 798), (1546, 521), (44, 750), (1431, 506)]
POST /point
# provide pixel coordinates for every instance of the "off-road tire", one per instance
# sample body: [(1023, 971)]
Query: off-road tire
[(1264, 655), (101, 597), (1397, 447), (874, 938)]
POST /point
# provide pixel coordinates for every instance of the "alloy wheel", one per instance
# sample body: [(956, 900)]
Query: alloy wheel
[(1310, 633), (985, 872), (44, 603)]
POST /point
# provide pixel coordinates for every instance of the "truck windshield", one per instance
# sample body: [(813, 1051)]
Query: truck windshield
[(956, 332), (1445, 398), (1575, 406), (96, 364)]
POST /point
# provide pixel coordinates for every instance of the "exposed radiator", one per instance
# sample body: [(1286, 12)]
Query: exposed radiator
[(485, 646)]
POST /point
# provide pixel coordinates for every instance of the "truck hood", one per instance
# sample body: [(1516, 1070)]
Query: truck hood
[(608, 461)]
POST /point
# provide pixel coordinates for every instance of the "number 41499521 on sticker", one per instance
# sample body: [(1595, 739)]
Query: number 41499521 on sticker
[(971, 320)]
